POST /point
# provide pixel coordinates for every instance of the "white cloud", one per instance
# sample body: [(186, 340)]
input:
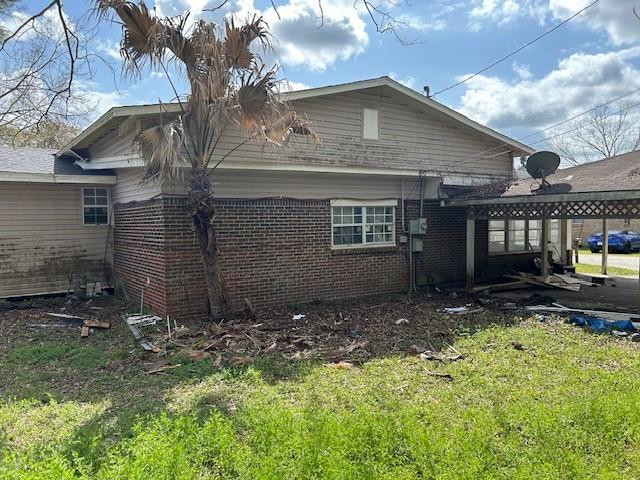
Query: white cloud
[(420, 24), (614, 17), (110, 48), (305, 36), (407, 81), (579, 82), (293, 86), (307, 39), (521, 70)]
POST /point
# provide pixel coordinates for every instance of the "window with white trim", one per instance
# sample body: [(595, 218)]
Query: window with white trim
[(354, 226), (95, 206), (514, 236)]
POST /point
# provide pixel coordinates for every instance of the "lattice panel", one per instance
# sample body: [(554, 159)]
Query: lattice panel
[(583, 209)]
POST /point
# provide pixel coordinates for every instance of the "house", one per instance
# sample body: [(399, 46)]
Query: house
[(53, 225), (604, 191), (311, 222)]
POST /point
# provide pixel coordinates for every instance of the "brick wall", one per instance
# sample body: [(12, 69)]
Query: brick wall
[(273, 251)]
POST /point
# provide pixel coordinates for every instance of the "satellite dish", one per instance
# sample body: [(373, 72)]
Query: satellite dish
[(541, 164)]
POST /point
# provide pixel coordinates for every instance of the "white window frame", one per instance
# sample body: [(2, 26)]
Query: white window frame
[(364, 204), (507, 241), (108, 206)]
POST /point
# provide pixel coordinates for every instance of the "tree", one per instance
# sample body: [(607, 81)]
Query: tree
[(52, 134), (40, 62), (229, 86), (608, 131)]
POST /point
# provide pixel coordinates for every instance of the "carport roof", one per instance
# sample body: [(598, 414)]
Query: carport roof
[(605, 188)]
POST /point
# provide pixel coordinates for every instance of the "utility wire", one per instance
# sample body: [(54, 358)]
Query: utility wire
[(509, 55), (578, 115)]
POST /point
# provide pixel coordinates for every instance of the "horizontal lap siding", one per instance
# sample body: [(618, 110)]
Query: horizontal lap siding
[(44, 246), (130, 189), (409, 139)]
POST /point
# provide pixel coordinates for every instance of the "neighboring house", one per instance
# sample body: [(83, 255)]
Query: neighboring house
[(597, 171), (308, 222), (53, 223)]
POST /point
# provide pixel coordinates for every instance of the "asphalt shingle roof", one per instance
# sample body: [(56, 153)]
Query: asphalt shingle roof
[(40, 160), (621, 172)]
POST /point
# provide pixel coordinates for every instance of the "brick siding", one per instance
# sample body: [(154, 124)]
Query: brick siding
[(273, 251)]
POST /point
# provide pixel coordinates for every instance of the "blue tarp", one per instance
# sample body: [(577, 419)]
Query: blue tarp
[(601, 325)]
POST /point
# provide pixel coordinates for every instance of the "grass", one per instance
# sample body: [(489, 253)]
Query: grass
[(563, 404), (612, 270)]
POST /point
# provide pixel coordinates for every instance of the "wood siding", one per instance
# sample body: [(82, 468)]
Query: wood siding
[(43, 242), (410, 138)]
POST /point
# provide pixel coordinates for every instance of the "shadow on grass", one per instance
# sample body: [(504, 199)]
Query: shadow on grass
[(107, 367)]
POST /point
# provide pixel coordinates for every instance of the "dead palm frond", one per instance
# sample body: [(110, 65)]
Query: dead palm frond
[(162, 146)]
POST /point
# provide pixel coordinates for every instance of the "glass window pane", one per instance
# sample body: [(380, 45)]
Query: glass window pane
[(496, 224), (89, 201), (101, 192), (89, 192)]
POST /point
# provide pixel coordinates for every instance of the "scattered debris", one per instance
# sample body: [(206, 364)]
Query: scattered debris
[(400, 321), (136, 321), (84, 332), (163, 368), (518, 346), (601, 325), (143, 320), (298, 317), (462, 310), (607, 315)]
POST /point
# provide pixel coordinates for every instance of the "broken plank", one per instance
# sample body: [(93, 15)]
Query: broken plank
[(84, 332), (97, 324)]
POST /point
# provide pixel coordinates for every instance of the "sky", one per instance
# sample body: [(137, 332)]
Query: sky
[(591, 60)]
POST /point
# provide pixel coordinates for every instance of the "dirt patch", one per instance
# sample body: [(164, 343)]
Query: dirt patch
[(352, 331)]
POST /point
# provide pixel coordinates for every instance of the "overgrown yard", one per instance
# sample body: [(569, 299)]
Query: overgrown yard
[(527, 399)]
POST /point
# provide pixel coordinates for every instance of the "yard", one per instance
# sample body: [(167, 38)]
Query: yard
[(512, 398)]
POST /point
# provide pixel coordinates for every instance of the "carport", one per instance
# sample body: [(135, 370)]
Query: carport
[(606, 189)]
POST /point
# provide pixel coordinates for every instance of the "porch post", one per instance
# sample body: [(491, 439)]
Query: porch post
[(471, 240), (545, 247), (605, 246), (564, 244)]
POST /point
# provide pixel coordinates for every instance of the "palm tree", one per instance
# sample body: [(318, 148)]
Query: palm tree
[(230, 87)]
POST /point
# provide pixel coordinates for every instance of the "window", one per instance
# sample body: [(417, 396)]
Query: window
[(354, 226), (370, 124), (95, 203), (514, 235), (496, 236)]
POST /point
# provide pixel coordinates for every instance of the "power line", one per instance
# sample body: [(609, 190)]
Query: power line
[(509, 55), (561, 134), (538, 132)]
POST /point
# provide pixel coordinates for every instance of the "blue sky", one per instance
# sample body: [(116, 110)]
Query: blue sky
[(592, 59)]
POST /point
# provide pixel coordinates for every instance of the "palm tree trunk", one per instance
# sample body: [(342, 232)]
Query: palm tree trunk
[(218, 304), (202, 210)]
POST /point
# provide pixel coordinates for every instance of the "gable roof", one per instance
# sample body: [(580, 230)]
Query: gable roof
[(119, 114), (41, 164)]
